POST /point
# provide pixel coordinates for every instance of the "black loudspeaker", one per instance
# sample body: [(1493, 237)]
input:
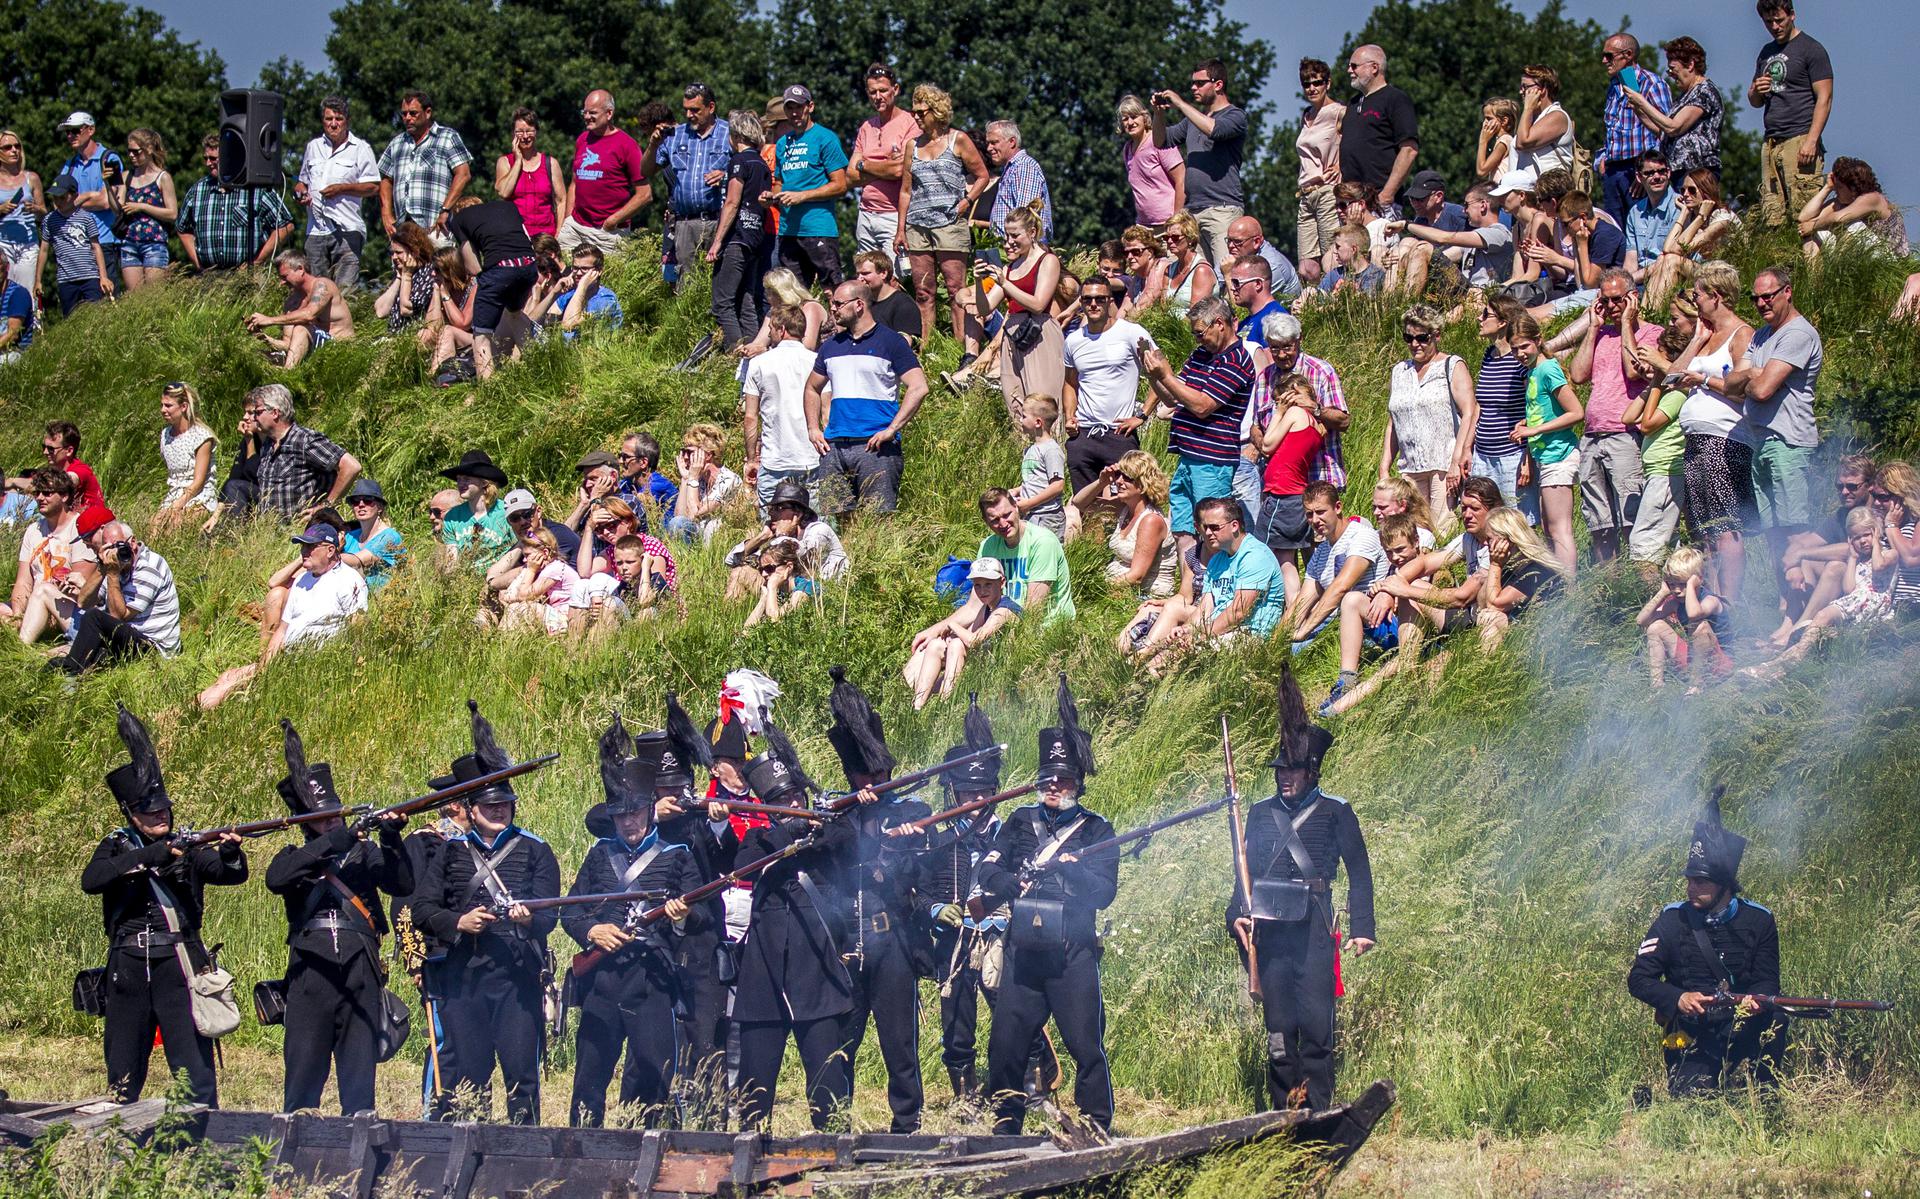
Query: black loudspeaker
[(250, 125)]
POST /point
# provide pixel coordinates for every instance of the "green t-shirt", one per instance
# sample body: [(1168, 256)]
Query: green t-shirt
[(1038, 559), (1662, 452), (1543, 382), (481, 540)]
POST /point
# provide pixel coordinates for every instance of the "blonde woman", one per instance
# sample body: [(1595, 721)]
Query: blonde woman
[(1033, 351), (1521, 569), (1135, 490), (1157, 175), (1189, 276), (186, 445), (707, 486), (1431, 410), (944, 180), (1399, 497), (22, 203), (477, 530), (1318, 148), (144, 207), (541, 595), (784, 287)]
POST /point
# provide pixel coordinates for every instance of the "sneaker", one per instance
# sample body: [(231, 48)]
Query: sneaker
[(1340, 688), (956, 381), (696, 356), (966, 360)]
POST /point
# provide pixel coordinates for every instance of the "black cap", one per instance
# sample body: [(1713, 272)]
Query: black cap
[(1714, 853), (777, 775), (791, 491), (857, 734), (308, 786), (728, 740), (626, 777), (1424, 184), (138, 785), (1066, 749), (1302, 744)]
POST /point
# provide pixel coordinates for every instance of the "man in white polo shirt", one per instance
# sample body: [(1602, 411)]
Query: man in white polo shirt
[(325, 594), (1101, 404), (773, 397), (338, 172)]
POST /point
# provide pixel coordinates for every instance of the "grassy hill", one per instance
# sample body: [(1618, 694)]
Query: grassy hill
[(1526, 811)]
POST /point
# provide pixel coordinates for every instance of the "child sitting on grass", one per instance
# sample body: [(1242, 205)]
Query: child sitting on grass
[(540, 596), (1043, 467), (1686, 623), (1870, 565)]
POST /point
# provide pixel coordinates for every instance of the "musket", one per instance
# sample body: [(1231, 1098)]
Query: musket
[(1237, 826), (1148, 830), (187, 838), (570, 901), (970, 807), (848, 801), (1725, 998), (446, 795), (763, 809), (587, 960)]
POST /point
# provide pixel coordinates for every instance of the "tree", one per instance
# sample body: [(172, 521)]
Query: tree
[(121, 64), (1056, 70), (1451, 56)]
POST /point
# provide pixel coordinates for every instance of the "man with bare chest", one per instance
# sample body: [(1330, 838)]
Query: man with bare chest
[(316, 312)]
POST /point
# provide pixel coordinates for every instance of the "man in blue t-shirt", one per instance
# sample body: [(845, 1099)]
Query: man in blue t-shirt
[(811, 169), (90, 164), (1242, 592), (877, 386)]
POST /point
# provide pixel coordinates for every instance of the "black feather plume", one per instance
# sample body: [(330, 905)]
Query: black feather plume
[(616, 756), (1710, 814), (979, 728), (146, 763), (685, 736), (1078, 739), (486, 750), (782, 749), (855, 713), (1296, 728), (296, 751)]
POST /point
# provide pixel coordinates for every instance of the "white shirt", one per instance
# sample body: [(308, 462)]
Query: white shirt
[(318, 606), (1109, 375), (779, 378), (1357, 540), (326, 164)]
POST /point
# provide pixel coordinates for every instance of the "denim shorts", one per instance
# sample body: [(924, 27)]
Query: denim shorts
[(151, 254), (1193, 482)]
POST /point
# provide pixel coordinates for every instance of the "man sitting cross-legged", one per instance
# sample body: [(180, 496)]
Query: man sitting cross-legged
[(315, 313), (1242, 592)]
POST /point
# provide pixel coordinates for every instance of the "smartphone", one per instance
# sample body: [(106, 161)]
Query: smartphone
[(1630, 79)]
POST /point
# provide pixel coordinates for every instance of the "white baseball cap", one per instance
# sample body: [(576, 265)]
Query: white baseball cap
[(1521, 180), (516, 501), (986, 568), (77, 118)]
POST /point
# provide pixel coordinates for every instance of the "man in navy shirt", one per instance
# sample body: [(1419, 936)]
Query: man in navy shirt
[(1407, 262), (870, 367)]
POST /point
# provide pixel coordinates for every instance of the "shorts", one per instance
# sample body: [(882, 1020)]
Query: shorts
[(75, 292), (1780, 484), (319, 337), (1456, 619), (1564, 473), (151, 255), (1283, 523), (770, 479), (853, 476), (1505, 471), (1192, 482), (956, 238), (1658, 518), (498, 291), (1611, 479), (1386, 634)]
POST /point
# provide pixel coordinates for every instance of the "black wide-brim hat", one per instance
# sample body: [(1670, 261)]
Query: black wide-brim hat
[(318, 795), (467, 767), (791, 491), (478, 465), (125, 784)]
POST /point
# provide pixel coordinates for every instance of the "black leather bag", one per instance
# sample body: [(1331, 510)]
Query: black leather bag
[(270, 1001), (726, 962), (1038, 925), (1281, 900), (1023, 330), (90, 991), (396, 1023)]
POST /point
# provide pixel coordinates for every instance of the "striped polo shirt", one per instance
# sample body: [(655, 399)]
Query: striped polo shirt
[(1227, 377), (865, 373)]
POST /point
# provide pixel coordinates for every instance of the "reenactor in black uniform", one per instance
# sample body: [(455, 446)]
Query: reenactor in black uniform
[(943, 884), (1053, 949), (335, 920), (885, 944), (1295, 842), (150, 891), (1701, 952), (421, 954), (792, 980), (492, 980), (628, 999)]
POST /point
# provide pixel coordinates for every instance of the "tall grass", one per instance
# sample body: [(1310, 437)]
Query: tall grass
[(1525, 811)]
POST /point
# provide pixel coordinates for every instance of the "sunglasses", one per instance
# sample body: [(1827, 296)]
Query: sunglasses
[(1095, 297), (1214, 528), (767, 570), (1765, 297), (358, 500), (1417, 339), (1689, 190), (512, 517), (1879, 497), (437, 513), (1237, 284), (1305, 83)]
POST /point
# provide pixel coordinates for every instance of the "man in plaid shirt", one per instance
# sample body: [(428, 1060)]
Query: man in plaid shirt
[(222, 227), (422, 171), (1628, 136), (1021, 179), (300, 470)]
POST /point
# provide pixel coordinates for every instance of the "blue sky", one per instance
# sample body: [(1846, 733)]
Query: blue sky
[(1871, 43)]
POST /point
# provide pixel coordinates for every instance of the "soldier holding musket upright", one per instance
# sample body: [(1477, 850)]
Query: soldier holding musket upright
[(335, 920), (1295, 843), (150, 889), (493, 989)]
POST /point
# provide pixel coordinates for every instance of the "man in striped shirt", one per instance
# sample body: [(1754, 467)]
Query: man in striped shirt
[(139, 607), (1208, 398), (877, 385)]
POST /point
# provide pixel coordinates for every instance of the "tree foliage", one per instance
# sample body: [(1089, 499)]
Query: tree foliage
[(119, 63), (1056, 70)]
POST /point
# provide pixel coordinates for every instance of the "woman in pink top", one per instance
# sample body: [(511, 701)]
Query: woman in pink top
[(1157, 174), (531, 179), (1319, 148)]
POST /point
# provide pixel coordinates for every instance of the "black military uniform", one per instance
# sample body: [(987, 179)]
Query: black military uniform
[(421, 953), (1294, 848), (792, 979), (334, 979), (1053, 950), (138, 881), (943, 883), (628, 999), (883, 940), (1731, 944), (492, 999)]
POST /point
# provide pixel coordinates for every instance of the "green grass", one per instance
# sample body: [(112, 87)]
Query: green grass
[(1526, 811)]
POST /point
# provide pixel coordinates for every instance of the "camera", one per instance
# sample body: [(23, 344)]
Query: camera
[(122, 552), (110, 172)]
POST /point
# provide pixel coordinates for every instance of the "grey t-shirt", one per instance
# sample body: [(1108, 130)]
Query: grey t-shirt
[(1213, 163), (1043, 464), (1789, 414), (1794, 67), (1491, 263)]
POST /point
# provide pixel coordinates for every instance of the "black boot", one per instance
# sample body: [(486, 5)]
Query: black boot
[(966, 1086)]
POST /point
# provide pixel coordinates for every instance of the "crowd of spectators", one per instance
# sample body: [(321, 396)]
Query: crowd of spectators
[(1676, 430)]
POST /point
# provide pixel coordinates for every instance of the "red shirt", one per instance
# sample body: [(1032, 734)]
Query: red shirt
[(90, 495), (606, 173)]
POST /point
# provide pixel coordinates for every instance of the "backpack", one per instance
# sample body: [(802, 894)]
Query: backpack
[(1584, 177), (950, 581)]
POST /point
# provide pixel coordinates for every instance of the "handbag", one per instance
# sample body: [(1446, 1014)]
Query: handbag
[(209, 992), (270, 1001), (1023, 330), (1039, 925), (90, 991), (989, 960), (396, 1022)]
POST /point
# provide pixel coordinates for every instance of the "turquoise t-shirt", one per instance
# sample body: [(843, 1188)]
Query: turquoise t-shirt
[(481, 540), (1038, 559), (803, 162), (1253, 568), (1543, 384), (388, 552)]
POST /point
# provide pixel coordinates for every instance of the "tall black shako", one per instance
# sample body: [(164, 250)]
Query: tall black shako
[(857, 734)]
